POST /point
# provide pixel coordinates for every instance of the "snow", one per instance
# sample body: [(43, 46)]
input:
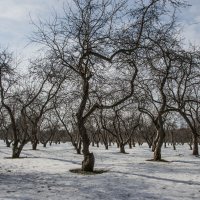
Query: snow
[(44, 174)]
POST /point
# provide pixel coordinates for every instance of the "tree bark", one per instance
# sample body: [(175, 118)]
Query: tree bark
[(130, 144), (35, 140), (195, 144), (157, 151), (16, 150), (155, 142), (122, 149), (88, 162), (34, 144)]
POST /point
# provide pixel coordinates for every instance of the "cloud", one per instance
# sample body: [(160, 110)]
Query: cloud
[(189, 18), (15, 24), (15, 20)]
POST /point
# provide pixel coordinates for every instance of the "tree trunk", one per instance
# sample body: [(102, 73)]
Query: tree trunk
[(149, 144), (106, 146), (34, 144), (88, 161), (195, 145), (122, 149), (76, 146), (130, 144), (78, 151), (16, 150), (8, 143), (155, 142), (157, 151), (79, 147), (35, 140)]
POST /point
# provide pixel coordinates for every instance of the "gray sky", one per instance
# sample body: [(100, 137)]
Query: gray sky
[(190, 19), (15, 22), (15, 26)]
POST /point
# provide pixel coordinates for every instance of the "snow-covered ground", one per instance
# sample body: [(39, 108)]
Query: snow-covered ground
[(44, 174)]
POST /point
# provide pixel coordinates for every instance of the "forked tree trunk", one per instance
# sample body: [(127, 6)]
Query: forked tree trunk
[(77, 147), (17, 149)]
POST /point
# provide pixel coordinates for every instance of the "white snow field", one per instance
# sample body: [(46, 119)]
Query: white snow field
[(44, 174)]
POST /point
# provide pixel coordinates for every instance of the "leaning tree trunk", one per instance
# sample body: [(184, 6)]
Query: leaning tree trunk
[(17, 149)]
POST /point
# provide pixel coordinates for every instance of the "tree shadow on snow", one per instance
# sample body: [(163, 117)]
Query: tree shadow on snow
[(161, 179)]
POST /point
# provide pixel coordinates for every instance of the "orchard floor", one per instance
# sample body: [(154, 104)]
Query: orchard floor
[(44, 174)]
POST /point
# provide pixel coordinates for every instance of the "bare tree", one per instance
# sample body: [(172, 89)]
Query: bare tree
[(5, 128), (183, 89), (39, 101), (10, 90), (160, 64), (94, 40), (121, 126)]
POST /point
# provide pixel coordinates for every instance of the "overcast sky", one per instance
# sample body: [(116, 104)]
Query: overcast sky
[(15, 26)]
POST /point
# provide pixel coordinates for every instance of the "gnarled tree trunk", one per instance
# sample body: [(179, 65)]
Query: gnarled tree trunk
[(89, 160)]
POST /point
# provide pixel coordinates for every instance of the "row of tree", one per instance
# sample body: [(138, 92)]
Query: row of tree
[(107, 67)]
